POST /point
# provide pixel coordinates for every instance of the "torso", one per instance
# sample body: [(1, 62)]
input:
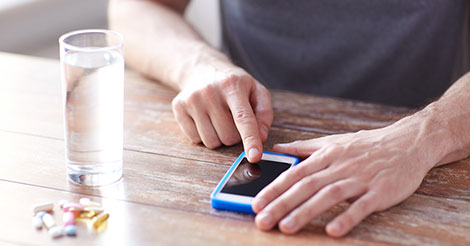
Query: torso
[(395, 52)]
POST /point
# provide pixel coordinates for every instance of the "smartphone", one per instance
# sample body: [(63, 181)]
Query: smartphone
[(244, 180)]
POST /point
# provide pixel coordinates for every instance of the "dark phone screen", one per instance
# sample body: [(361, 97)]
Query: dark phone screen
[(248, 179)]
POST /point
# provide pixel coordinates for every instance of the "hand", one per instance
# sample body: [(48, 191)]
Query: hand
[(374, 169), (222, 104)]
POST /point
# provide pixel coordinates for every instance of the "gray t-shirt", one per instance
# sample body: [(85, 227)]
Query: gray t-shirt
[(396, 52)]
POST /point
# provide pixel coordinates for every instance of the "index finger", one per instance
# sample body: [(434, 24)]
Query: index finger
[(247, 125)]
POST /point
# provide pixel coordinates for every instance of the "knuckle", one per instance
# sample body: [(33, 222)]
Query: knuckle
[(283, 177), (334, 148), (307, 183), (299, 173), (347, 220), (212, 144), (230, 139), (344, 168), (193, 99), (336, 192), (230, 82), (208, 91), (242, 115), (177, 104), (250, 139), (280, 208)]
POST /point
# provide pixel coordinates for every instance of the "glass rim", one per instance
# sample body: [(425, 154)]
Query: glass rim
[(65, 45)]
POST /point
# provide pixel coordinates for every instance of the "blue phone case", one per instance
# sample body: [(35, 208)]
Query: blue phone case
[(233, 206)]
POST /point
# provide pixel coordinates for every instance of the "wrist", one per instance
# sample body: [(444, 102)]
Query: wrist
[(433, 137), (201, 64)]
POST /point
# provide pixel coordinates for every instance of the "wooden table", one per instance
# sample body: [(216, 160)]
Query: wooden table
[(164, 196)]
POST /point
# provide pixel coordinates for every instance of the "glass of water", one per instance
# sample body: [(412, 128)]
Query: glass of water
[(92, 69)]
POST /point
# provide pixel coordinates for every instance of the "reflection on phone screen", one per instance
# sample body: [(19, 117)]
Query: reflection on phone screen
[(249, 179)]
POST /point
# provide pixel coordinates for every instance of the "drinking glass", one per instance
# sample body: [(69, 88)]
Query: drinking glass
[(92, 69)]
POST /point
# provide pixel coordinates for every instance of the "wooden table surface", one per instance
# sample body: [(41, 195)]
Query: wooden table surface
[(163, 198)]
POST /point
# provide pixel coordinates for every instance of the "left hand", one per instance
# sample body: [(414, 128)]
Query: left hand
[(375, 168)]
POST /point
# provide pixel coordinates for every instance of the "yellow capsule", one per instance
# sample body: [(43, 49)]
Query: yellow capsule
[(100, 219), (97, 210), (87, 215)]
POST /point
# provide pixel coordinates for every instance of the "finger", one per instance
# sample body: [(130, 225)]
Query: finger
[(293, 197), (246, 124), (206, 130), (326, 198), (358, 211), (316, 162), (263, 109), (299, 148), (186, 123), (223, 123)]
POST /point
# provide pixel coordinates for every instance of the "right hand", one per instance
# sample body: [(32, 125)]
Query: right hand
[(223, 105)]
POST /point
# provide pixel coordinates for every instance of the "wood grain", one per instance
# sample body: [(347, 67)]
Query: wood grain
[(164, 195), (184, 185)]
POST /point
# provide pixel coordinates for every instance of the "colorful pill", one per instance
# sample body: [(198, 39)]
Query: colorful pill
[(100, 219), (37, 222), (68, 218), (88, 215), (48, 221), (70, 205), (71, 230), (40, 214), (76, 212), (45, 206), (56, 231)]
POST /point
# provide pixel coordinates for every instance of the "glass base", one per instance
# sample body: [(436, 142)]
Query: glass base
[(94, 174)]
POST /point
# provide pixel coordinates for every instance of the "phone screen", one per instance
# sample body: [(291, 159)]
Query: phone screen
[(249, 179)]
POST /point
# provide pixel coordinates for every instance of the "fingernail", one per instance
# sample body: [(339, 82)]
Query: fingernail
[(252, 153), (260, 204), (279, 146), (335, 227), (288, 223), (265, 219)]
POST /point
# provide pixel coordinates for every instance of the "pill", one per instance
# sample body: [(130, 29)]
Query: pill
[(71, 230), (56, 231), (86, 202), (48, 221), (76, 212), (88, 215), (70, 205), (37, 222), (100, 219), (45, 206), (40, 214), (68, 218), (62, 202), (97, 210)]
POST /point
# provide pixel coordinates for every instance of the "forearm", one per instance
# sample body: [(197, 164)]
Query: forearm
[(158, 41), (442, 129)]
